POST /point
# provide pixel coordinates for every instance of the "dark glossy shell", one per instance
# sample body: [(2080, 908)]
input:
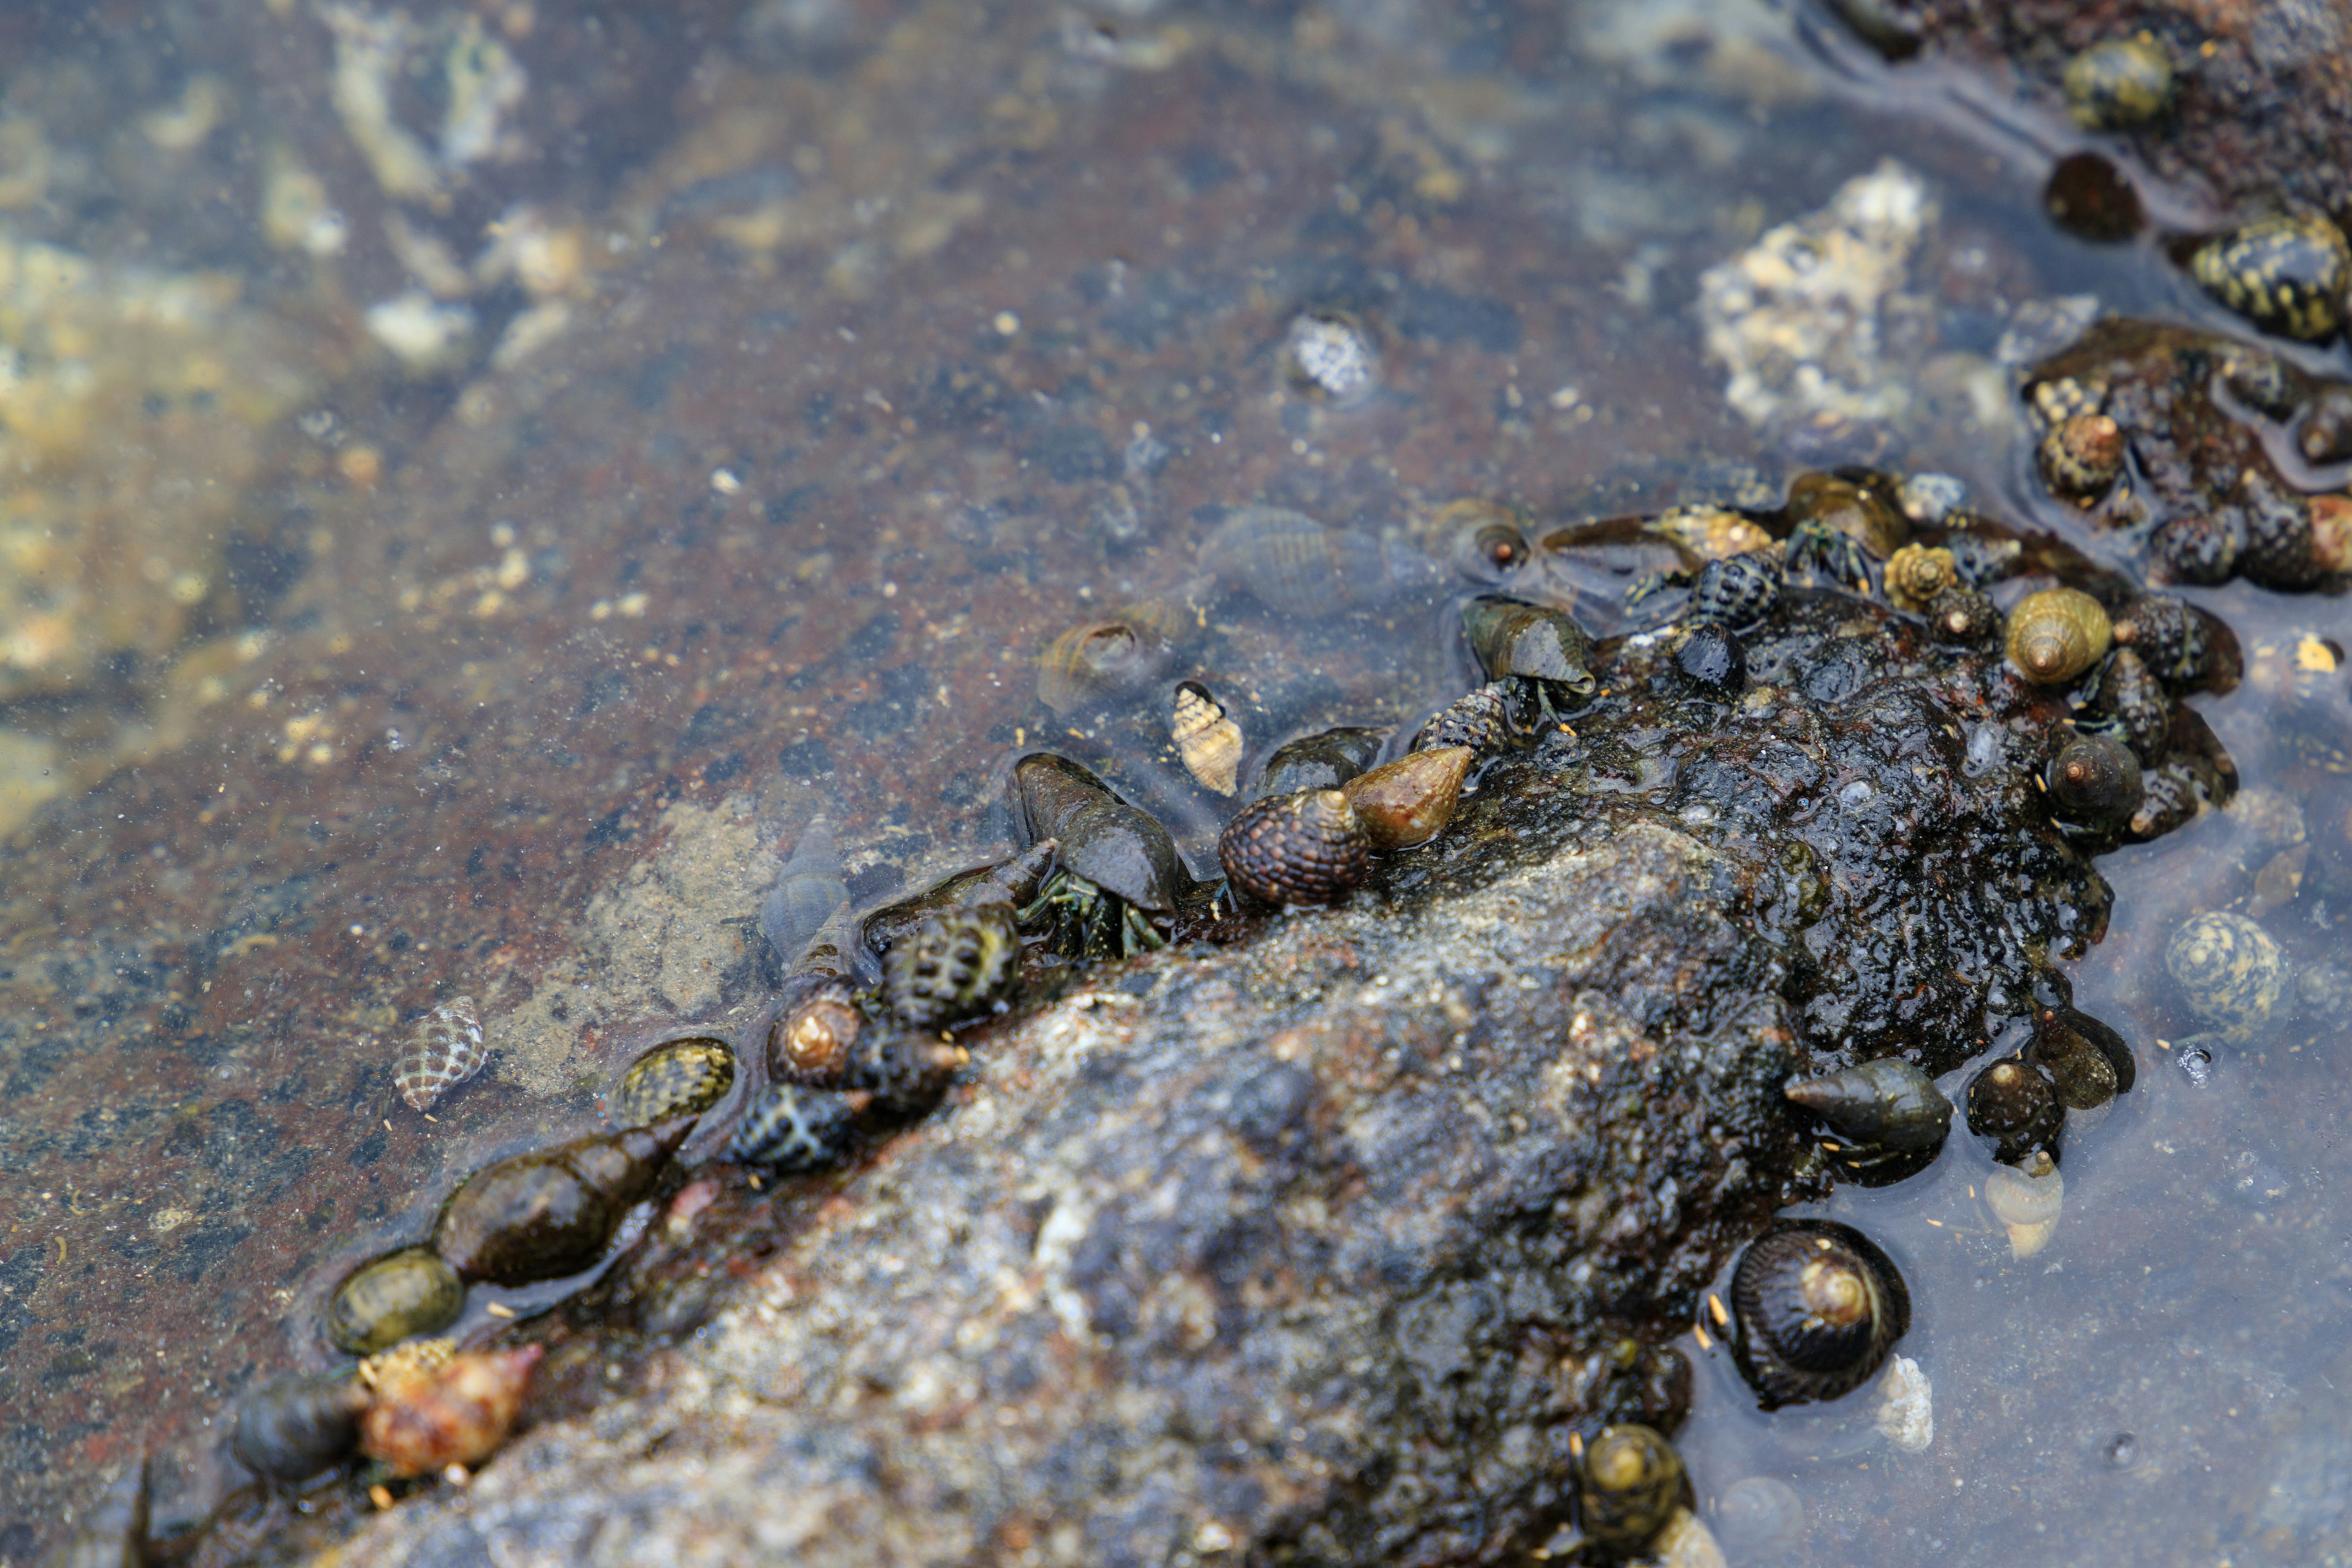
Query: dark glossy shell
[(814, 1041), (906, 1074), (1710, 657), (383, 1303), (1513, 638), (1480, 720), (1816, 1308), (2083, 457), (2274, 538), (291, 1427), (2056, 635), (2082, 1070), (2093, 778), (1632, 1483), (1885, 1104), (957, 964), (1963, 615), (1863, 513), (2171, 794), (2135, 700), (113, 1532), (2120, 83), (2087, 196), (1115, 846), (552, 1211), (2325, 435), (2013, 1102), (1738, 590), (793, 1128), (2179, 644), (2286, 273), (676, 1078), (1410, 800), (1323, 760), (1303, 848), (1011, 882), (2229, 969), (2196, 547)]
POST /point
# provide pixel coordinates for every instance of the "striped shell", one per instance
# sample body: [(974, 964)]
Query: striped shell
[(445, 1051), (1480, 720), (676, 1078), (957, 964), (789, 1128), (1206, 738), (1632, 1484)]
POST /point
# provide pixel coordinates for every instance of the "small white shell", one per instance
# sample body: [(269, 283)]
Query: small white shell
[(1907, 1406), (445, 1052)]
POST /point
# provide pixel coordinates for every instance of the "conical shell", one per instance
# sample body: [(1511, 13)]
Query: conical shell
[(1303, 848), (1410, 800), (552, 1211), (457, 1413), (2054, 635), (1206, 738), (445, 1051)]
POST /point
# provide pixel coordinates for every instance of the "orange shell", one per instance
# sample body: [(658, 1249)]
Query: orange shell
[(457, 1413)]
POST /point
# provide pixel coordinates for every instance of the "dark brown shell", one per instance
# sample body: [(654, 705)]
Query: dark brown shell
[(1323, 760), (1963, 615), (2083, 457), (1888, 1104), (387, 1300), (814, 1041), (958, 964), (2093, 778), (1535, 642), (1011, 882), (1632, 1481), (2013, 1102), (2196, 547), (2135, 700), (552, 1211), (1480, 720), (1115, 846), (2082, 1071), (1303, 848), (1816, 1308), (291, 1427), (676, 1078), (1410, 800), (2181, 645), (789, 1128)]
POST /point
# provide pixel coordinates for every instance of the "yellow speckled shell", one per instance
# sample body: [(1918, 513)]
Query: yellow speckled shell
[(678, 1077)]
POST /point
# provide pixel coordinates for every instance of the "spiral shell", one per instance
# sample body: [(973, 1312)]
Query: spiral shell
[(291, 1427), (2083, 457), (2026, 1199), (2094, 779), (807, 891), (1737, 590), (2013, 1102), (1322, 761), (382, 1302), (814, 1041), (1486, 540), (1918, 573), (1294, 566), (676, 1078), (552, 1211), (2286, 273), (958, 964), (1710, 657), (1816, 1308), (2181, 646), (2120, 84), (1206, 738), (2082, 1073), (789, 1128), (1012, 881), (1963, 615), (1888, 1104), (1712, 533), (2274, 537), (1632, 1481), (445, 1051), (1536, 642), (2056, 635), (1410, 800), (1098, 662), (423, 1422), (2229, 969), (2135, 700), (1303, 848), (1480, 720)]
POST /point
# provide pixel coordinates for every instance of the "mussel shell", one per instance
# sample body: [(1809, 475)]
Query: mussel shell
[(957, 964), (384, 1301), (791, 1127), (1513, 638), (552, 1211), (1323, 760), (1816, 1307), (2056, 635), (1888, 1104), (1632, 1481), (293, 1426), (1410, 800), (1303, 848), (678, 1078), (2013, 1102), (2093, 778), (1116, 847)]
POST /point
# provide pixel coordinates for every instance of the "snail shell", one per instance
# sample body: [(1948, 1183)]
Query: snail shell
[(2171, 796), (2276, 542), (2013, 1102), (814, 1041), (1963, 615), (1633, 1483), (789, 1128), (2056, 635), (2026, 1199), (2325, 435), (2179, 644), (410, 1358), (1098, 662), (906, 1074), (445, 1051), (1886, 1104), (2083, 457), (1480, 720), (2095, 778), (1118, 848), (1294, 566), (2195, 547), (1710, 657), (1410, 800), (2120, 83), (957, 964), (1816, 1309), (1712, 533), (456, 1414), (676, 1078), (2069, 1021), (2135, 700), (2229, 969), (2082, 1077), (2285, 273), (1737, 590), (1485, 540), (807, 893), (384, 1301), (1861, 512), (1758, 1518), (1918, 573), (1323, 760), (2088, 197), (1536, 642), (1304, 849), (552, 1213), (291, 1427), (1206, 738), (1012, 881)]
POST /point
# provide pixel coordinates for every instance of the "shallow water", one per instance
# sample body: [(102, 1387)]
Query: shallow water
[(880, 345)]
